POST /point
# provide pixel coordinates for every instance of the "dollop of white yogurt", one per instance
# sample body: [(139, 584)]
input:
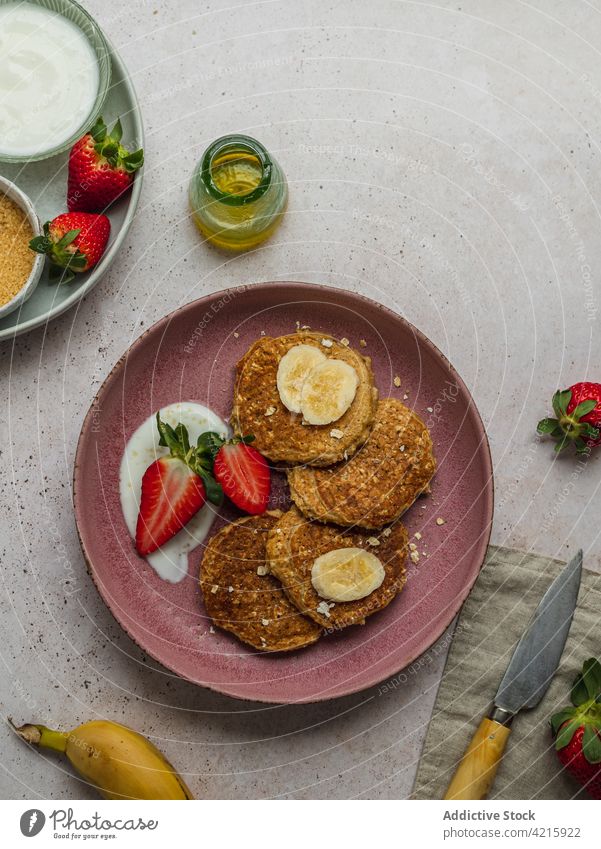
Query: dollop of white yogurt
[(48, 79), (170, 561)]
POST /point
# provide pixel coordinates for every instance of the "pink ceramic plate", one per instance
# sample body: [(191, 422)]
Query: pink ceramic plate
[(190, 355)]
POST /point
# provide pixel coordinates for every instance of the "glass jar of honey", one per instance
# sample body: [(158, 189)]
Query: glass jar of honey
[(238, 193)]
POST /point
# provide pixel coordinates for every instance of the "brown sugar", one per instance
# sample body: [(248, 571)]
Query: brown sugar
[(16, 257)]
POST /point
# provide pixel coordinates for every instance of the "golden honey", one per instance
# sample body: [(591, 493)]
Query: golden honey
[(238, 193)]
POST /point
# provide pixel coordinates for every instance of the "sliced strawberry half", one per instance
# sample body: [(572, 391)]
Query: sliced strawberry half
[(243, 474), (171, 494), (174, 488)]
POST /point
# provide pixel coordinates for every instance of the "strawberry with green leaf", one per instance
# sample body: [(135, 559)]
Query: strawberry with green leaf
[(74, 242), (101, 169), (577, 730), (578, 422)]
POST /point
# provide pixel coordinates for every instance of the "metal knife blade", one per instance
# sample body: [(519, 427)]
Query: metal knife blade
[(537, 655)]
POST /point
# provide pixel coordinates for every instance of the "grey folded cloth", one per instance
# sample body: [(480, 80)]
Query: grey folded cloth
[(491, 622)]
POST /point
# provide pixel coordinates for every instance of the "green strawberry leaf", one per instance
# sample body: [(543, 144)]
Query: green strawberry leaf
[(561, 401), (547, 425), (199, 459), (563, 443), (109, 150), (591, 676), (181, 433), (117, 132), (99, 130), (209, 443), (584, 408), (579, 694), (558, 719), (58, 274), (41, 244), (591, 745), (213, 489), (581, 446), (133, 161), (67, 239), (168, 437), (566, 733), (75, 261)]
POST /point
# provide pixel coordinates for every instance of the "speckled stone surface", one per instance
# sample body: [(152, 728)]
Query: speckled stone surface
[(443, 160)]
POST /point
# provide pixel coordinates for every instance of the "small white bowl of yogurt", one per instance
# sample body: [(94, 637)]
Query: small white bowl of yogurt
[(55, 72)]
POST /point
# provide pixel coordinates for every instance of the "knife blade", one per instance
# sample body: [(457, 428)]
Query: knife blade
[(534, 662), (537, 655)]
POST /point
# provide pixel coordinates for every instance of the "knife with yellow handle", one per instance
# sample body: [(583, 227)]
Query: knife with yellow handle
[(530, 671)]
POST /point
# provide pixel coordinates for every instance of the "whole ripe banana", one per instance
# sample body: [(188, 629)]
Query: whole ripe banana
[(120, 762)]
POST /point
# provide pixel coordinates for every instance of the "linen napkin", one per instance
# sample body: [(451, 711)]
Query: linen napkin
[(491, 622)]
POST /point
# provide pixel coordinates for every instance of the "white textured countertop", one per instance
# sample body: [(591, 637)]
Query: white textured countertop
[(443, 159)]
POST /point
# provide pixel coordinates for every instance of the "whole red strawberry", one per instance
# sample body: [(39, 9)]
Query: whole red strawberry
[(174, 488), (578, 422), (577, 730), (74, 242), (100, 169)]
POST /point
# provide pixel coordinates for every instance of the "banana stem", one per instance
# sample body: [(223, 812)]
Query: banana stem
[(39, 735)]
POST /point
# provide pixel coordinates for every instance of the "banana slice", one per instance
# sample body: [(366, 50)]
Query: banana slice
[(294, 367), (346, 574), (328, 391)]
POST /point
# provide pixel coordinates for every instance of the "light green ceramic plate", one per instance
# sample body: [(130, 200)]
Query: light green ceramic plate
[(46, 184)]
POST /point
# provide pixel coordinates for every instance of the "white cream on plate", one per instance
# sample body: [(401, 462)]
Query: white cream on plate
[(170, 561), (48, 79)]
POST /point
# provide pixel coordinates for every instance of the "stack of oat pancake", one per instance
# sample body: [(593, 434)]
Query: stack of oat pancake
[(350, 480)]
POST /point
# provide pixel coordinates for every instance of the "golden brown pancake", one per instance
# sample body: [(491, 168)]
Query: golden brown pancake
[(379, 482), (280, 434), (294, 544), (238, 599)]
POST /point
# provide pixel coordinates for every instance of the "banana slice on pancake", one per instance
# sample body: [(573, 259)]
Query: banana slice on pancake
[(320, 388), (347, 574), (269, 382), (328, 391), (293, 370)]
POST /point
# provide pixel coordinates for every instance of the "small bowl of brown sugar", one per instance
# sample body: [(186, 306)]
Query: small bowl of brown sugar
[(20, 267)]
